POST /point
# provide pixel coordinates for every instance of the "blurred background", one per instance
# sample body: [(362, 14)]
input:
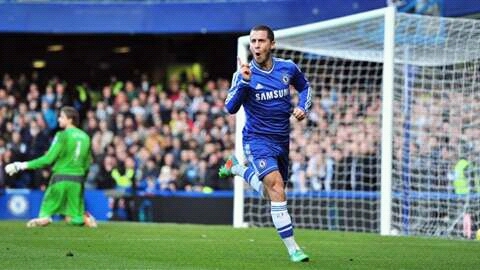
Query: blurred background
[(88, 41)]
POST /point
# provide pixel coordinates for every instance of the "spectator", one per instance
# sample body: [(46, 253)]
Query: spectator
[(316, 170), (120, 199), (36, 139), (124, 175), (105, 179), (61, 97), (49, 115), (167, 179), (214, 162), (103, 135), (297, 175), (49, 95), (189, 171)]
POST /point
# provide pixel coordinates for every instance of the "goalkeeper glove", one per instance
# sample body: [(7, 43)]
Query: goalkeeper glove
[(15, 167)]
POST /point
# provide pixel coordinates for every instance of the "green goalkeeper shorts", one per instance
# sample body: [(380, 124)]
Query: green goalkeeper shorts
[(64, 198)]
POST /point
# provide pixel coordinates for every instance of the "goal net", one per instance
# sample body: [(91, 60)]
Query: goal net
[(391, 144)]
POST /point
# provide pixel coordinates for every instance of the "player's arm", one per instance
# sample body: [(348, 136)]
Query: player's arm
[(236, 93), (50, 156), (41, 162), (304, 90)]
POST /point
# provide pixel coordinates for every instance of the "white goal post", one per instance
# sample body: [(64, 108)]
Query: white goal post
[(391, 140)]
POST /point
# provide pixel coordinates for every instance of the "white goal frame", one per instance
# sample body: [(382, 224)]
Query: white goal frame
[(434, 59)]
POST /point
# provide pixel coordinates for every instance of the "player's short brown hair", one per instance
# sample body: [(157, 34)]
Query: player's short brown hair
[(262, 27), (71, 113)]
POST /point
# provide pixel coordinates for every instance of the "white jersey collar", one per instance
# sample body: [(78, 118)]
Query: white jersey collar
[(254, 64)]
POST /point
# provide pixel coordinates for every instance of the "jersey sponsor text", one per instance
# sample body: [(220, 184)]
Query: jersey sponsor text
[(272, 94)]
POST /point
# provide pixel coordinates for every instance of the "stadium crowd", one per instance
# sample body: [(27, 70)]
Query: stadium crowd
[(150, 138)]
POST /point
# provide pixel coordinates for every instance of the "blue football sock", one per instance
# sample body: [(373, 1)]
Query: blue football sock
[(250, 176), (283, 223)]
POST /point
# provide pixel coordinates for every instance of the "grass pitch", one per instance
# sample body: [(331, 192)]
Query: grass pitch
[(118, 245)]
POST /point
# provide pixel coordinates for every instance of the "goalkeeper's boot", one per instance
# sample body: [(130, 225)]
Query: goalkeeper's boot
[(89, 220), (226, 169), (299, 256), (39, 222)]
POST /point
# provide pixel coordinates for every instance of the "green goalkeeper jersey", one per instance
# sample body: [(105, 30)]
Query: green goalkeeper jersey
[(69, 153)]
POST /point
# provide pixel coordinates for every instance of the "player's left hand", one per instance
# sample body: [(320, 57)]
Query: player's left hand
[(299, 113), (15, 167)]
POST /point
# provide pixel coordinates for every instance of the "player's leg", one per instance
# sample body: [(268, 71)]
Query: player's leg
[(74, 203), (282, 221), (251, 177), (248, 173), (51, 204), (275, 187)]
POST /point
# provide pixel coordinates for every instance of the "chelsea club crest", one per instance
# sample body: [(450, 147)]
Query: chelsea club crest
[(262, 163), (286, 79)]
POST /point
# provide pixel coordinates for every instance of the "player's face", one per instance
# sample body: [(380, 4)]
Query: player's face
[(63, 120), (260, 46)]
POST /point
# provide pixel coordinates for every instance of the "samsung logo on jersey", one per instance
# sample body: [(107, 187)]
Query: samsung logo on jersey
[(272, 94)]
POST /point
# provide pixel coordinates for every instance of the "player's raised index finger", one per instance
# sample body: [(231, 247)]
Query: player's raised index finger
[(239, 61)]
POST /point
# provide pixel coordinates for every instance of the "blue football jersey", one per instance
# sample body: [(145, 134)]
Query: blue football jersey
[(266, 98)]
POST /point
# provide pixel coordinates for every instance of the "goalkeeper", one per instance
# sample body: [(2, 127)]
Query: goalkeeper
[(70, 155), (263, 88)]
